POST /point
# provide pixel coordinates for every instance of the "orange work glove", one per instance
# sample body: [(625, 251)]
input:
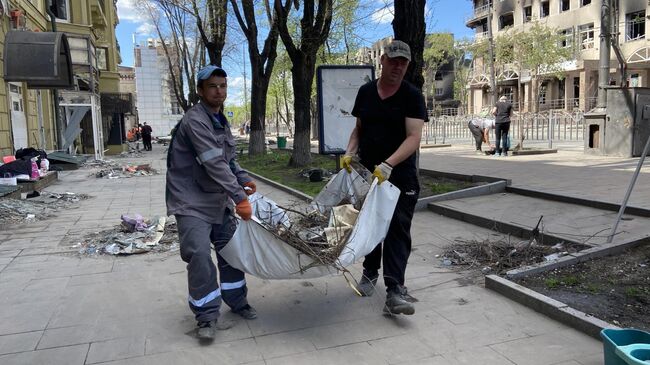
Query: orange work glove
[(244, 209), (250, 188)]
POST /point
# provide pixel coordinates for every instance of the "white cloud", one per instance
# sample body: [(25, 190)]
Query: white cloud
[(146, 29), (128, 10), (236, 90), (383, 15)]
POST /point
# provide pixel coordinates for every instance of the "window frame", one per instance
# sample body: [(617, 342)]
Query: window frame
[(543, 14), (564, 2), (587, 42), (527, 17), (631, 23)]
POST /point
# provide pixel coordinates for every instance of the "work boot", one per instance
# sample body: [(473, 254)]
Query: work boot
[(366, 286), (247, 312), (207, 330), (398, 302)]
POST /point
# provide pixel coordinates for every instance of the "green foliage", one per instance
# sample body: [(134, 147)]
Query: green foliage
[(439, 50), (536, 49), (274, 166), (552, 283)]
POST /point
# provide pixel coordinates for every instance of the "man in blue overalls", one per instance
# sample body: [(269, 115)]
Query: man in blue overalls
[(203, 181)]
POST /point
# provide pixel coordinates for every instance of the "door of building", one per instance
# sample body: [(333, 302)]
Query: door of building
[(18, 119)]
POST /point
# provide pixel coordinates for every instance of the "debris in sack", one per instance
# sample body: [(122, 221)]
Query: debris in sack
[(154, 235), (502, 255), (15, 211), (320, 236)]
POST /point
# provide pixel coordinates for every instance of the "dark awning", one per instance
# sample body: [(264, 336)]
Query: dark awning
[(41, 59)]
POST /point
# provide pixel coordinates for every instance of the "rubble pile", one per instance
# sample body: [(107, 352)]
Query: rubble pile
[(113, 170), (15, 211), (134, 235)]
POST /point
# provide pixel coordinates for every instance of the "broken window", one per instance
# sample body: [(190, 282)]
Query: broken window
[(506, 20), (586, 36), (528, 13), (565, 5), (585, 2), (635, 26), (544, 9), (438, 75), (567, 38)]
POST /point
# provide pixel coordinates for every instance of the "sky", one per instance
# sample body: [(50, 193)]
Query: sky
[(441, 16)]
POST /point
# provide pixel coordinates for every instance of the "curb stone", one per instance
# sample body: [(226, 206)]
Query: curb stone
[(548, 306)]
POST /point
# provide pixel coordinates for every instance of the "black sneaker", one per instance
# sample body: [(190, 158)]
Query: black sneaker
[(399, 302), (207, 330), (366, 286), (247, 312)]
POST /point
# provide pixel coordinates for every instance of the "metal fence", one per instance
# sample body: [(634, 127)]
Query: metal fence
[(552, 125)]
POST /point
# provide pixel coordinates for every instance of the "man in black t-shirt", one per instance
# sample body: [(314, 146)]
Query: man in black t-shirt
[(502, 112), (390, 114), (146, 136)]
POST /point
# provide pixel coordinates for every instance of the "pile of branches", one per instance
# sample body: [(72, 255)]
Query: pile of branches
[(306, 233), (501, 256)]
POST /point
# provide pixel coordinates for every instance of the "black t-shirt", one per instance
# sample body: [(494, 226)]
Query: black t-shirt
[(383, 127), (503, 112)]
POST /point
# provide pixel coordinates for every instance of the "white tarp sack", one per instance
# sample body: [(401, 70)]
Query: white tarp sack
[(258, 252)]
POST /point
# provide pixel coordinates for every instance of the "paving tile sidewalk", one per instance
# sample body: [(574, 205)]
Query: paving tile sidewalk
[(569, 172), (59, 308)]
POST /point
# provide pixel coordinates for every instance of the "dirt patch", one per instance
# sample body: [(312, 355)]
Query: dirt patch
[(430, 185), (615, 289)]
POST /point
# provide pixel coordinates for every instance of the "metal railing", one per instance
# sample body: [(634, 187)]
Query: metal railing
[(551, 126)]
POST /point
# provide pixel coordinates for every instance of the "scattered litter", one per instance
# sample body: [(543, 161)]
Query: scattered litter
[(16, 211), (134, 235), (555, 256)]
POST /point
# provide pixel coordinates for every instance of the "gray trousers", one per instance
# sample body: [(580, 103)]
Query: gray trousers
[(205, 294)]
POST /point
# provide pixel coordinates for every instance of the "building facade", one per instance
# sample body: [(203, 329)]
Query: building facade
[(27, 116), (157, 104), (578, 21), (127, 86)]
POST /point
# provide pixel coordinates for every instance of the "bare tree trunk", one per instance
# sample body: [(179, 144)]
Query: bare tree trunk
[(303, 75), (314, 29), (261, 68), (409, 26)]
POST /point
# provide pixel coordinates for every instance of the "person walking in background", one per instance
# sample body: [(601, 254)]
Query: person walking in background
[(146, 136), (390, 115), (203, 179), (480, 127), (502, 112)]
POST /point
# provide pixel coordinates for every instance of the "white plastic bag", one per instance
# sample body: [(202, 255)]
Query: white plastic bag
[(260, 253)]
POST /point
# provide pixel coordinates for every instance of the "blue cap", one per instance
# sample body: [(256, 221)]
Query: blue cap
[(210, 70)]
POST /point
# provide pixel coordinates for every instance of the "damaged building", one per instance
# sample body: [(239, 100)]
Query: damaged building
[(91, 108)]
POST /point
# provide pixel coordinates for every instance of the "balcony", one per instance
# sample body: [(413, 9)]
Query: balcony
[(97, 12), (479, 14)]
